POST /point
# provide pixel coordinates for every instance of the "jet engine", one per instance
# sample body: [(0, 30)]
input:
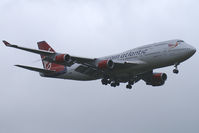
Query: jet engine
[(62, 58), (157, 79), (106, 64)]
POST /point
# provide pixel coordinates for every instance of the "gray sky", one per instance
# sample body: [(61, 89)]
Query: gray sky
[(89, 28)]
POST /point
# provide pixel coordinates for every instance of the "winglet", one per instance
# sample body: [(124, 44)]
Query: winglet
[(6, 43)]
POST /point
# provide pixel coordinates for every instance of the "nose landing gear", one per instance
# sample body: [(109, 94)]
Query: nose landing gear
[(176, 71)]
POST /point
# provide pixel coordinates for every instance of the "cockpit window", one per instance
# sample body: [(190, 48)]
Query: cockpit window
[(180, 41)]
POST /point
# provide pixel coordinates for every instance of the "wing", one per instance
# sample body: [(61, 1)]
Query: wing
[(87, 70), (84, 61), (93, 63), (93, 69), (76, 59), (41, 52), (49, 55)]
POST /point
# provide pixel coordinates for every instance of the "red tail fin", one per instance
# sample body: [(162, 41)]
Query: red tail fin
[(44, 46), (49, 65)]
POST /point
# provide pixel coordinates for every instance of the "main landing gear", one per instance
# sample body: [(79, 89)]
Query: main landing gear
[(129, 85), (105, 81), (176, 71), (114, 83), (108, 81)]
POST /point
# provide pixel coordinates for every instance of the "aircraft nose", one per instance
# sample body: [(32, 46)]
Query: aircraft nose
[(192, 49)]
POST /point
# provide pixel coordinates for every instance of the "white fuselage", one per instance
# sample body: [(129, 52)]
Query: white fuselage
[(152, 56)]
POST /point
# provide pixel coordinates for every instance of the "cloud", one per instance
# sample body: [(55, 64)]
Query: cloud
[(30, 103)]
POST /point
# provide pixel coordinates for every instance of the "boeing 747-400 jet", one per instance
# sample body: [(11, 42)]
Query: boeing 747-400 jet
[(127, 67)]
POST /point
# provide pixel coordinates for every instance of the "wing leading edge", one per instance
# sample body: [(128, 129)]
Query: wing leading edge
[(41, 52)]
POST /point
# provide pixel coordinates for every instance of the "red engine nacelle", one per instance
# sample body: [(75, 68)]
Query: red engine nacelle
[(106, 64), (158, 79), (62, 58), (159, 76)]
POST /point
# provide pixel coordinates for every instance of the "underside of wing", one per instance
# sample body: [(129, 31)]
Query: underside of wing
[(84, 61), (97, 67), (87, 70)]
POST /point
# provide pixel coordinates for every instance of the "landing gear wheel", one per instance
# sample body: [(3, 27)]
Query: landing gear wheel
[(117, 84), (128, 86), (104, 81), (109, 81), (113, 84), (176, 71)]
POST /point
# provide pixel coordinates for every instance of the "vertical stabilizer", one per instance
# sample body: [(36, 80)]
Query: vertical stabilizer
[(49, 65)]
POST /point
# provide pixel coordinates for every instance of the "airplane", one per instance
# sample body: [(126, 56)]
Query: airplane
[(127, 67)]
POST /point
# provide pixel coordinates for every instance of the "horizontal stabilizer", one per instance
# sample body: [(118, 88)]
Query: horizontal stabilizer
[(36, 69)]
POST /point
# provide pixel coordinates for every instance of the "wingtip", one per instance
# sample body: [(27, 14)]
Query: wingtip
[(6, 43), (17, 65)]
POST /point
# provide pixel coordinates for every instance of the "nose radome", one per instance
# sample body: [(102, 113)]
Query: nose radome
[(192, 49)]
